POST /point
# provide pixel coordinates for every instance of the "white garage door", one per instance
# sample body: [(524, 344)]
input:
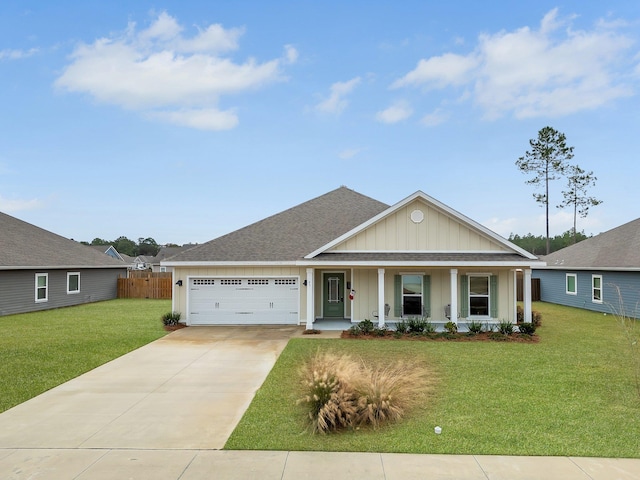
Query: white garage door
[(243, 301)]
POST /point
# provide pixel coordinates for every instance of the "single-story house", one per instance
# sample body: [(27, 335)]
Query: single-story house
[(601, 273), (163, 254), (40, 270), (344, 255)]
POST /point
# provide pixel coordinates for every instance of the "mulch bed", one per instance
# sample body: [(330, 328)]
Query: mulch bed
[(447, 337)]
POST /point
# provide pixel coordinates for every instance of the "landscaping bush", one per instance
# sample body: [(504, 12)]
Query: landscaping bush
[(451, 327), (416, 325), (536, 317), (344, 393), (505, 327), (329, 397), (527, 328), (475, 327), (402, 327), (366, 326), (170, 318)]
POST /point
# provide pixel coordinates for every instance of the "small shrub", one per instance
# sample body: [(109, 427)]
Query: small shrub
[(429, 328), (451, 327), (527, 328), (402, 327), (354, 330), (497, 336), (366, 326), (170, 318), (536, 318), (416, 325), (475, 327), (380, 331), (505, 327)]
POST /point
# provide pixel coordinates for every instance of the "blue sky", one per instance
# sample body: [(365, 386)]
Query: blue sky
[(183, 121)]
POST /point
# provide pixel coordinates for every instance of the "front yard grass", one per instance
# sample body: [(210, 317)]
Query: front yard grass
[(571, 394), (41, 350)]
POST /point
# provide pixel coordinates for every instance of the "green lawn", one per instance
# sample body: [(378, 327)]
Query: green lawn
[(41, 350), (573, 393)]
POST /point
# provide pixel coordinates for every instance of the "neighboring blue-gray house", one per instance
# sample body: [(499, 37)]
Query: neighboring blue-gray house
[(40, 270), (601, 273)]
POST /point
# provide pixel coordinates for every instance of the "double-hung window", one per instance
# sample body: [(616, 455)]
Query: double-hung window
[(42, 287), (596, 288), (411, 295), (571, 284), (73, 282), (479, 295)]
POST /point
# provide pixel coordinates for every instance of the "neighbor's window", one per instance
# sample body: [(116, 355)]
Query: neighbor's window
[(73, 282), (479, 295), (42, 287), (596, 288), (571, 284), (411, 295)]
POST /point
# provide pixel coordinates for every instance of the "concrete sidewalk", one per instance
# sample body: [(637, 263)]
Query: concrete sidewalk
[(99, 464), (165, 410)]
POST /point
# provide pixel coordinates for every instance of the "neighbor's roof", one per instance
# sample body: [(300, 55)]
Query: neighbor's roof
[(292, 234), (617, 249), (23, 245)]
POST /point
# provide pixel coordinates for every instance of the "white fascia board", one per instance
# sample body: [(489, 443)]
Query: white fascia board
[(225, 264), (448, 210), (405, 264)]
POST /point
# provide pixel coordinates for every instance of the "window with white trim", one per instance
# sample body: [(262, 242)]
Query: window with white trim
[(42, 287), (73, 282), (571, 284), (411, 295), (479, 295), (596, 288)]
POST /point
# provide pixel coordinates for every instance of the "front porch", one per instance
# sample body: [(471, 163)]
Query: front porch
[(337, 298)]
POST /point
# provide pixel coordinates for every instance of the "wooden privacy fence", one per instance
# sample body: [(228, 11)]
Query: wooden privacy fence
[(535, 289), (148, 287)]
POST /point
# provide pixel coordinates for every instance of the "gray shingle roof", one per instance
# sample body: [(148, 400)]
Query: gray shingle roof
[(23, 245), (292, 234), (615, 248)]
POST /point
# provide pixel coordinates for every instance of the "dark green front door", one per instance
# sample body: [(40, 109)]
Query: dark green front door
[(333, 293)]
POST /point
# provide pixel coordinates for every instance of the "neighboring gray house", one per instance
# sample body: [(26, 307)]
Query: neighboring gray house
[(601, 273), (40, 270), (164, 253), (108, 250)]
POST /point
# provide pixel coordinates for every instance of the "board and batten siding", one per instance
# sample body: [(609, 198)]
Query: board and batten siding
[(620, 290), (436, 231), (17, 288)]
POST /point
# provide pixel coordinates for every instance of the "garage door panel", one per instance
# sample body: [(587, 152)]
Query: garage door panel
[(243, 301)]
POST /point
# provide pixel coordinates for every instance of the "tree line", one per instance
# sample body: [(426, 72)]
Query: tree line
[(538, 244), (145, 246)]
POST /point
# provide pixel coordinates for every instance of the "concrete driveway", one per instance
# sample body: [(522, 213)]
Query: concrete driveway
[(187, 390)]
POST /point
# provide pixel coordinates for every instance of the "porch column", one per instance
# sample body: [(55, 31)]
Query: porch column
[(381, 297), (351, 302), (515, 296), (454, 295), (310, 306), (526, 291)]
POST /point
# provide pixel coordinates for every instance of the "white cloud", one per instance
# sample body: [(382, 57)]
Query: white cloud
[(336, 102), (440, 71), (551, 71), (349, 153), (395, 113), (290, 54), (16, 205), (201, 119), (11, 54), (164, 74), (435, 118)]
